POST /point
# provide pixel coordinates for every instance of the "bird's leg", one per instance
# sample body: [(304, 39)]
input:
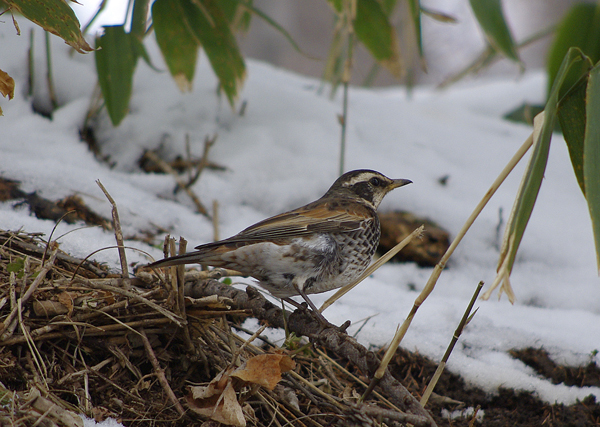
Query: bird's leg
[(313, 307)]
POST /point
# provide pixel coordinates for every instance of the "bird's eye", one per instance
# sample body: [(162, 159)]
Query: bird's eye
[(375, 182)]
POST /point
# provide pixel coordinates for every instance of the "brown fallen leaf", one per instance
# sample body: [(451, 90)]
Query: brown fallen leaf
[(217, 401), (264, 369)]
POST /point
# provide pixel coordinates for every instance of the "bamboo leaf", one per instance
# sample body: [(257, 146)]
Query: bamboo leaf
[(580, 28), (56, 17), (238, 16), (373, 29), (176, 42), (532, 179), (209, 25), (116, 58), (591, 154), (415, 13), (571, 115), (490, 16), (139, 18)]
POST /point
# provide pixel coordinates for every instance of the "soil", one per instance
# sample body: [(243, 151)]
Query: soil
[(508, 407)]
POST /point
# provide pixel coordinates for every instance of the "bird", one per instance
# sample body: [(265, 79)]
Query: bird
[(315, 248)]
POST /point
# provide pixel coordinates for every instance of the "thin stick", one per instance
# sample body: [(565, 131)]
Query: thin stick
[(40, 277), (245, 343), (208, 143), (350, 15), (98, 330), (160, 373), (215, 220), (168, 169), (379, 413), (187, 337), (463, 322), (437, 271), (385, 258), (118, 231), (172, 316)]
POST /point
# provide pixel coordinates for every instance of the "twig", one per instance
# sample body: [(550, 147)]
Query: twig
[(375, 411), (215, 220), (174, 317), (27, 248), (118, 231), (208, 143), (463, 322), (160, 373), (355, 378), (350, 9), (21, 301), (168, 169), (99, 330), (180, 283)]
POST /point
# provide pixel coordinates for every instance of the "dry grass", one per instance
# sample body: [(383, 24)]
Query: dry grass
[(76, 340)]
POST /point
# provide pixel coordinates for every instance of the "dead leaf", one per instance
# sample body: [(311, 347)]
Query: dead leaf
[(66, 298), (49, 308), (264, 369), (217, 401), (7, 85)]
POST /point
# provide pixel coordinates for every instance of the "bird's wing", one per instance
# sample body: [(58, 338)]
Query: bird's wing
[(317, 217)]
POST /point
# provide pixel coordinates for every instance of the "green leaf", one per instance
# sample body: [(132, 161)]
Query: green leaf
[(139, 18), (237, 15), (571, 115), (415, 13), (532, 179), (177, 44), (591, 154), (209, 25), (16, 266), (116, 58), (56, 17), (247, 5), (373, 29), (579, 28), (490, 16)]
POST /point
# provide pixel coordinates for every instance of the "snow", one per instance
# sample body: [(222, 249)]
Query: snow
[(283, 152)]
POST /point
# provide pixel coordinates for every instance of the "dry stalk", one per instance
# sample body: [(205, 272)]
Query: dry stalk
[(41, 276), (98, 330), (215, 220), (208, 143), (440, 368), (160, 373), (180, 270), (168, 169), (139, 298), (118, 231), (22, 248)]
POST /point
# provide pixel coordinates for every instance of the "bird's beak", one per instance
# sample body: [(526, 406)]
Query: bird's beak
[(399, 183)]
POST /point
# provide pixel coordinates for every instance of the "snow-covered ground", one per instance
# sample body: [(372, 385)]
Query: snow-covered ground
[(283, 152)]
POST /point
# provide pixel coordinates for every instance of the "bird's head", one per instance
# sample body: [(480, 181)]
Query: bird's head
[(367, 185)]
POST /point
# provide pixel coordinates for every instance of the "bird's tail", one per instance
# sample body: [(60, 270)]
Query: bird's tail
[(197, 257)]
